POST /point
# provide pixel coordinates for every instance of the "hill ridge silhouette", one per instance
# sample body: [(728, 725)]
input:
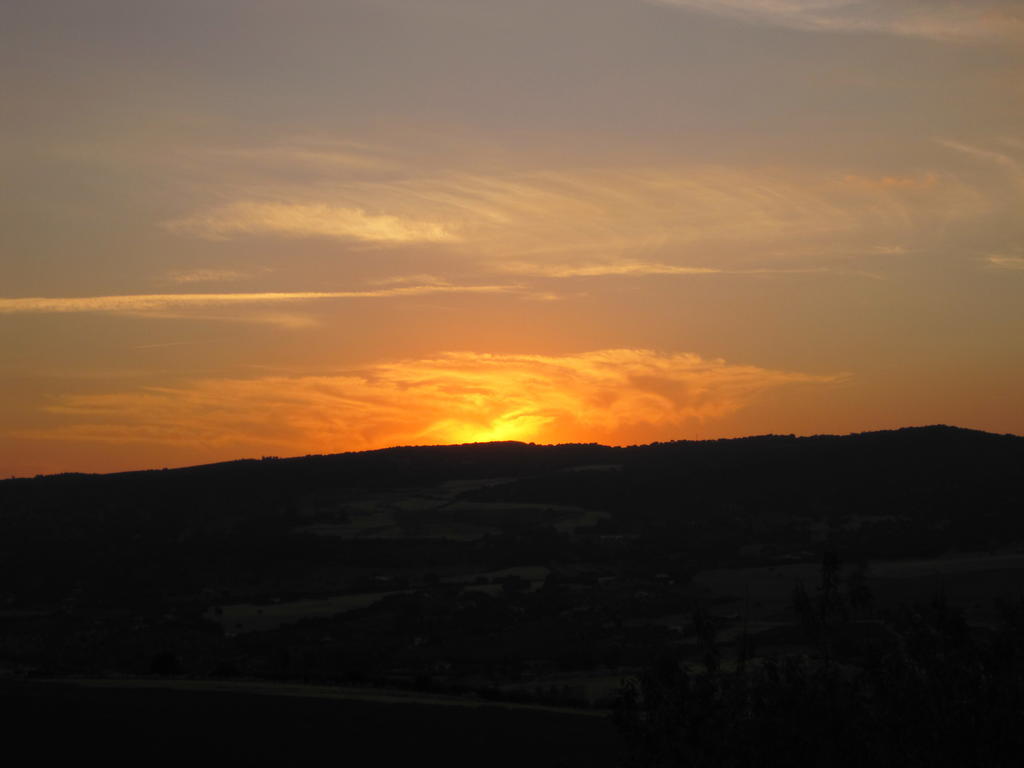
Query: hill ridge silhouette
[(918, 431)]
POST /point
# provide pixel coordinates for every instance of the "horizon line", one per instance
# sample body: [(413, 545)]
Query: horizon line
[(433, 446)]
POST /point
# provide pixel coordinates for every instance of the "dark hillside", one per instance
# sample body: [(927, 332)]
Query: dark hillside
[(537, 575), (908, 492)]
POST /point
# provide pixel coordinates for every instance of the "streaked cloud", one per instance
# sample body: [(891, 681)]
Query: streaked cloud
[(293, 321), (157, 302), (207, 275), (310, 220), (887, 250), (419, 278), (623, 268), (644, 269), (1010, 165), (617, 220), (1005, 262), (923, 181), (950, 20), (617, 396), (319, 154)]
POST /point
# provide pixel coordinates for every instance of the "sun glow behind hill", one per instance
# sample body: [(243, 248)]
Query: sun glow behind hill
[(616, 397), (513, 425)]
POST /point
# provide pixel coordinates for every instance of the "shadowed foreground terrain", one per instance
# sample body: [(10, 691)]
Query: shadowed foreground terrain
[(154, 724), (762, 601)]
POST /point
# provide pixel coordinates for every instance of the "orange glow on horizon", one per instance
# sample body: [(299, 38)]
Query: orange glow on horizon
[(616, 397), (513, 425)]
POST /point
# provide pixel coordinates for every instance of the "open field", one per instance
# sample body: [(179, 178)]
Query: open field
[(436, 512), (595, 688), (970, 581), (761, 595), (334, 692), (251, 617), (153, 721), (238, 618)]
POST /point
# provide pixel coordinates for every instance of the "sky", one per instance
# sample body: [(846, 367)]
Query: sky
[(237, 228)]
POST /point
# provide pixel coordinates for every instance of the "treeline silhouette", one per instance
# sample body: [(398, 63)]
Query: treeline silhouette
[(925, 690)]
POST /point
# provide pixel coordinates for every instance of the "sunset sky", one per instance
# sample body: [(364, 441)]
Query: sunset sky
[(234, 228)]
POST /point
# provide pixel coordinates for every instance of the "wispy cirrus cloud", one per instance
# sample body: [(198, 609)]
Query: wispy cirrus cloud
[(615, 396), (950, 20), (1010, 165), (293, 321), (1005, 262), (605, 221), (640, 269), (162, 302), (305, 153), (602, 269), (310, 220), (185, 276)]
